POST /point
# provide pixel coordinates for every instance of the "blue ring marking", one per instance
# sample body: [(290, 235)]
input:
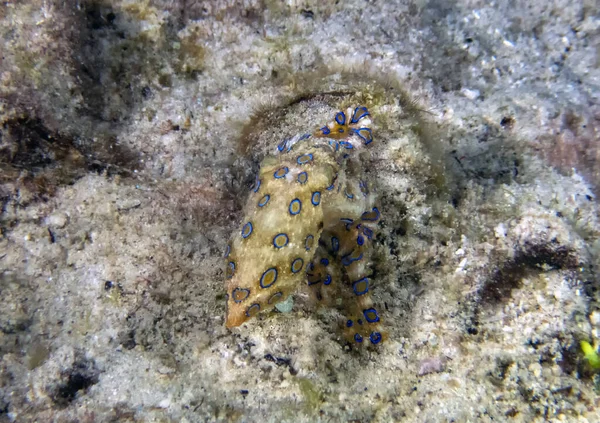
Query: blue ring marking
[(303, 177), (316, 198), (304, 158), (281, 145), (235, 294), (366, 134), (368, 216), (252, 310), (297, 262), (347, 145), (375, 338), (360, 322), (330, 187), (256, 185), (227, 251), (281, 172), (368, 232), (308, 242), (230, 270), (349, 323), (335, 244), (358, 338), (275, 297), (327, 280), (334, 142), (325, 130), (358, 289), (295, 204), (347, 260), (272, 273), (371, 315), (310, 267), (324, 262), (263, 201), (280, 240), (360, 240), (340, 118), (356, 117), (304, 137), (341, 130), (247, 230), (350, 196)]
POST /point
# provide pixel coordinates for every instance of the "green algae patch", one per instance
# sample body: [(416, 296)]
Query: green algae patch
[(312, 395), (590, 354)]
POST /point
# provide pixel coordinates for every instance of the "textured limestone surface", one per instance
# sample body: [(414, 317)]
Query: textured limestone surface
[(131, 133)]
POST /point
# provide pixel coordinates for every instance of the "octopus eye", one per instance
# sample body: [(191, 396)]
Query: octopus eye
[(335, 244), (313, 278), (347, 222), (349, 323), (327, 280), (325, 130)]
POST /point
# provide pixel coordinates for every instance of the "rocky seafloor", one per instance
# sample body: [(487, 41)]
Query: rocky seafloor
[(131, 133)]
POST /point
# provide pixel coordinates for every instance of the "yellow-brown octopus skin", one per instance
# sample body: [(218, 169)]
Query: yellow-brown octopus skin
[(310, 219)]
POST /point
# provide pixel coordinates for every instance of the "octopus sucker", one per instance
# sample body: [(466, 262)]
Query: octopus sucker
[(310, 219)]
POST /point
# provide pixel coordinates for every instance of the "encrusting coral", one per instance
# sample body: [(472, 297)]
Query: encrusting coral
[(310, 218)]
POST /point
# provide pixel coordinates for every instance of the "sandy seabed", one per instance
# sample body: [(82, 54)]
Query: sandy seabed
[(131, 133)]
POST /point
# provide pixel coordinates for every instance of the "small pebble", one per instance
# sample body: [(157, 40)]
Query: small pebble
[(431, 365), (286, 306), (57, 220)]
